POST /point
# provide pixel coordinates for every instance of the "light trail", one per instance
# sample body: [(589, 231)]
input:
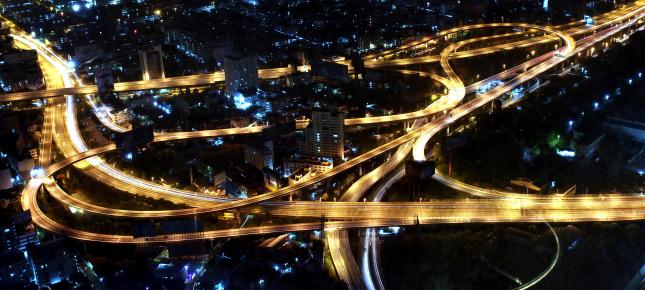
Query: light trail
[(366, 215)]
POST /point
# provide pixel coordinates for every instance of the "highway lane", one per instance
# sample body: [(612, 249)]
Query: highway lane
[(598, 215), (341, 249), (183, 81), (342, 257), (468, 216), (572, 28), (456, 94), (344, 209), (68, 136), (344, 262), (206, 79), (493, 193), (187, 212)]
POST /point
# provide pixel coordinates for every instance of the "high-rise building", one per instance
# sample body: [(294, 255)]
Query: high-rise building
[(104, 80), (220, 50), (324, 136), (151, 60), (240, 73), (259, 154), (18, 234), (8, 238)]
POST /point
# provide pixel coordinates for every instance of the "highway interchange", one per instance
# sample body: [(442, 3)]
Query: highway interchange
[(60, 127)]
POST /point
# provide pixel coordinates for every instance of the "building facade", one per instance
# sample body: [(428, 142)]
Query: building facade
[(240, 73), (260, 154), (324, 137), (151, 60)]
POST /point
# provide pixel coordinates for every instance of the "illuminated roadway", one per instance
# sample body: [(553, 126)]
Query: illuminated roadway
[(372, 61), (373, 214), (364, 214), (596, 214), (154, 190)]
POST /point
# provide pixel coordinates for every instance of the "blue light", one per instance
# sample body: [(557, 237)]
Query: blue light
[(219, 286), (161, 266), (241, 102), (36, 172), (607, 97), (596, 105), (570, 123), (76, 7), (217, 142), (259, 115), (566, 153), (128, 156)]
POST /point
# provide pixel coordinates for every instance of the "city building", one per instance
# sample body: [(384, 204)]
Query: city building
[(220, 50), (316, 164), (240, 73), (30, 14), (6, 179), (239, 121), (53, 262), (324, 135), (104, 81), (234, 189), (26, 233), (151, 60), (114, 107), (302, 174), (20, 71), (25, 166), (259, 154), (18, 234), (9, 238), (15, 270)]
